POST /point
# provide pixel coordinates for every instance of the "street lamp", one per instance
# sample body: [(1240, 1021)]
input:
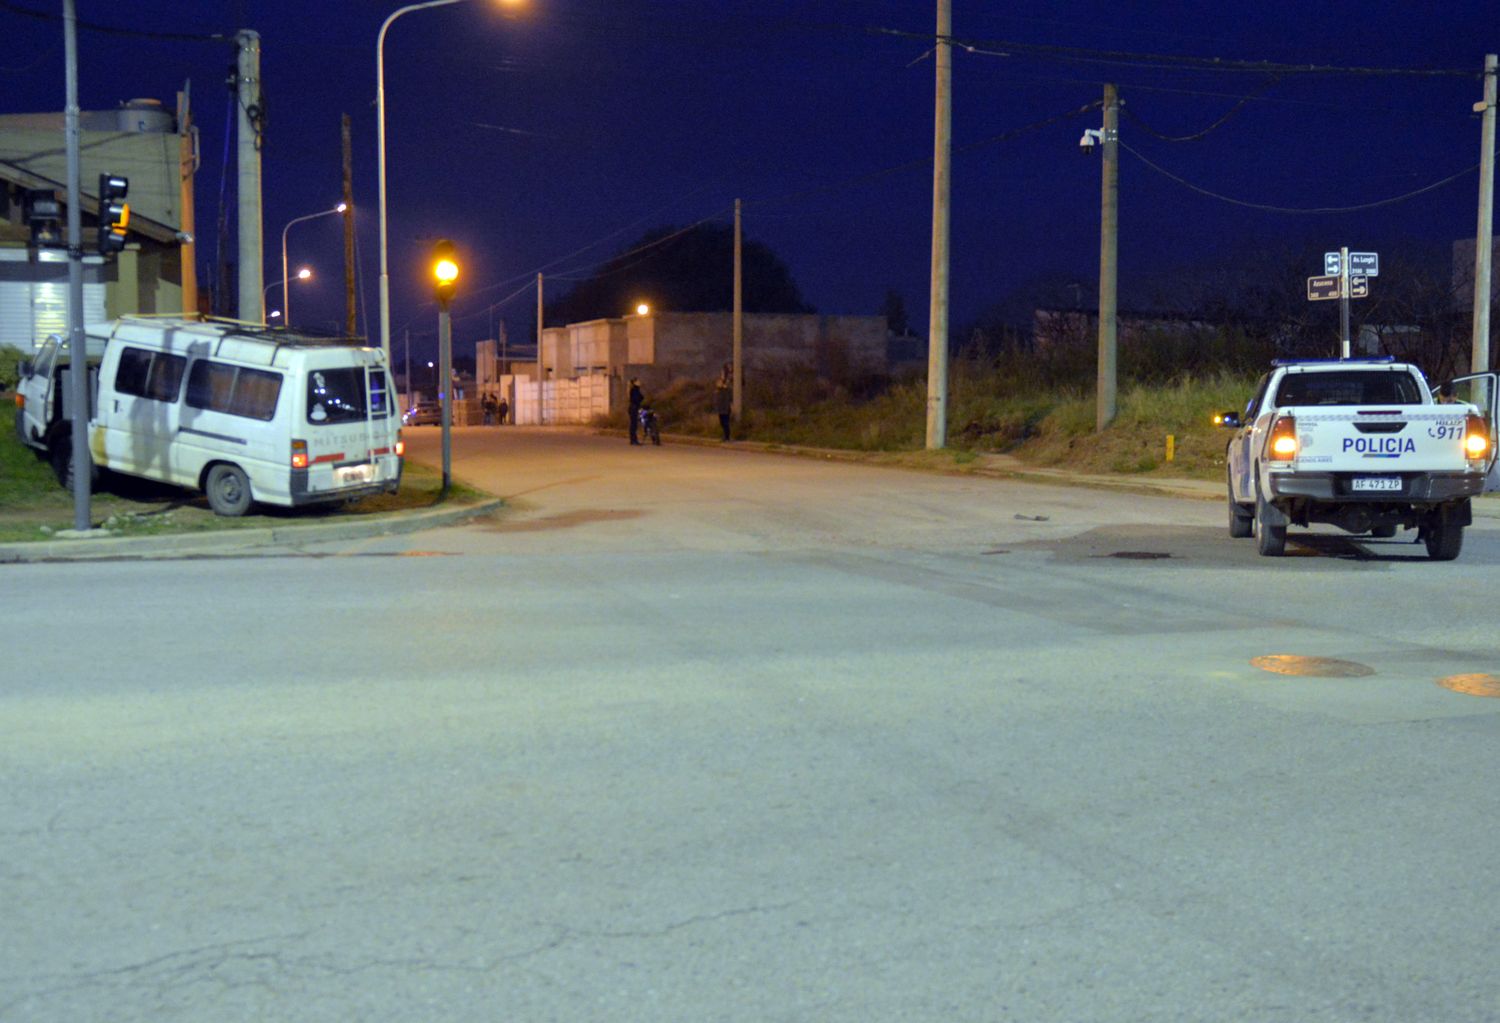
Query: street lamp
[(641, 309), (385, 275), (303, 274), (286, 297)]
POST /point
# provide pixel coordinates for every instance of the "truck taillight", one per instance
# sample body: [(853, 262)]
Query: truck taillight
[(1283, 444), (400, 446), (1476, 437), (299, 454)]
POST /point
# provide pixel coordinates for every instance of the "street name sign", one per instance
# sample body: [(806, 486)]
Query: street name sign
[(1321, 288), (1362, 264)]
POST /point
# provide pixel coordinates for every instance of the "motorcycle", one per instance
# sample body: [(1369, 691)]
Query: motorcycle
[(649, 424)]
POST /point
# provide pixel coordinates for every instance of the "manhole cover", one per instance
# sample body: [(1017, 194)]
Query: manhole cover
[(1317, 667), (1477, 684)]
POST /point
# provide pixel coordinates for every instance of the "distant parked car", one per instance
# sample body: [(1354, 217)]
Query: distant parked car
[(423, 413)]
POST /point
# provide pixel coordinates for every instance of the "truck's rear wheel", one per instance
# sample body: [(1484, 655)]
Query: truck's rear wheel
[(228, 490), (1444, 535), (1241, 518), (1270, 541)]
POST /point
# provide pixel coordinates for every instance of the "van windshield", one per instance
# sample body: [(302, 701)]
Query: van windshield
[(339, 396)]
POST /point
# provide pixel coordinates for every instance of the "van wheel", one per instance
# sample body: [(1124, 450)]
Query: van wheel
[(60, 457), (228, 490)]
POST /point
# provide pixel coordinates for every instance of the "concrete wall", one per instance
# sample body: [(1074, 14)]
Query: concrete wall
[(698, 344)]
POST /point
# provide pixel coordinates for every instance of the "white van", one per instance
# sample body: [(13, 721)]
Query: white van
[(245, 413), (43, 394)]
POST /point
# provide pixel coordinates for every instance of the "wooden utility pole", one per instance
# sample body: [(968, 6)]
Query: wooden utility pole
[(351, 326), (540, 372), (186, 168), (1109, 244), (937, 320), (739, 319), (1484, 238)]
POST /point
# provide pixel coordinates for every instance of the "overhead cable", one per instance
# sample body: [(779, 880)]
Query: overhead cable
[(1293, 209), (1005, 48), (1125, 108)]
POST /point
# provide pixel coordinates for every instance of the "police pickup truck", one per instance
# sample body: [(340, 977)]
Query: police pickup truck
[(1361, 444)]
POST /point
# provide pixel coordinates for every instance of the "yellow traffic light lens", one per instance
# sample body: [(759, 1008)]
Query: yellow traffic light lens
[(445, 270)]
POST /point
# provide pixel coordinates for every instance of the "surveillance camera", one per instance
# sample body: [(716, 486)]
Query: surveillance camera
[(1089, 141), (185, 237)]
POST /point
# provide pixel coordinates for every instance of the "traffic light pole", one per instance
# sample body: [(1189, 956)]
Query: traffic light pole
[(77, 345)]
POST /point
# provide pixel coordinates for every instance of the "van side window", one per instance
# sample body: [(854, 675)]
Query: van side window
[(155, 375), (380, 391), (236, 390)]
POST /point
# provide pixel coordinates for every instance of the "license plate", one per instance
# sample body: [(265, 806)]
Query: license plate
[(1375, 483), (348, 474)]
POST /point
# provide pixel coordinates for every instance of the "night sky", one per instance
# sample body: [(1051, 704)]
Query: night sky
[(550, 137)]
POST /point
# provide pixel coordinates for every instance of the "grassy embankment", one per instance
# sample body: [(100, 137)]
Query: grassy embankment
[(33, 505), (990, 411)]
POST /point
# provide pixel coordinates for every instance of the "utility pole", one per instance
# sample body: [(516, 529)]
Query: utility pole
[(541, 374), (186, 168), (78, 362), (409, 397), (739, 319), (1484, 238), (351, 327), (937, 320), (1109, 244), (248, 142)]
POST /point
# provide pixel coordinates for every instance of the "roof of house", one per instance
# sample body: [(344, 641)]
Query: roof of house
[(33, 154)]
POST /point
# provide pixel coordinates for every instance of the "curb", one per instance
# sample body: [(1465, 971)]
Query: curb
[(189, 545)]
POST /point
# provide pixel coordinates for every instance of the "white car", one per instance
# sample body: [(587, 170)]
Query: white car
[(1361, 444)]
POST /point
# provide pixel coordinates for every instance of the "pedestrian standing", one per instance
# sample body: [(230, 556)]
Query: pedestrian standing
[(636, 397), (487, 406), (724, 398), (502, 410)]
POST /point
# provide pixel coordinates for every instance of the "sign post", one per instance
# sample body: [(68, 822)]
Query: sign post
[(1346, 275)]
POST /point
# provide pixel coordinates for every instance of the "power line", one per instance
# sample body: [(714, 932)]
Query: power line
[(1005, 48), (1293, 209), (27, 12), (924, 161), (1217, 124)]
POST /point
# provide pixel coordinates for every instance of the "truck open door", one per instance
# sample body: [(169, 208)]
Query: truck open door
[(1479, 390)]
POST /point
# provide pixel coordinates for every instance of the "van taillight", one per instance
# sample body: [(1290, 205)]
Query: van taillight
[(20, 401), (1283, 445), (299, 454), (400, 446)]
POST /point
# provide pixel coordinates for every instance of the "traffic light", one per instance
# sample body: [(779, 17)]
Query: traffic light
[(114, 212), (44, 215), (444, 271)]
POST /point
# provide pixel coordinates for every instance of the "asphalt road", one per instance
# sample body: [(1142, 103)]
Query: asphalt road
[(699, 733)]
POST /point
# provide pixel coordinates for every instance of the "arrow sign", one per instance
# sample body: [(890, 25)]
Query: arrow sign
[(1331, 264), (1359, 287), (1364, 264), (1321, 288)]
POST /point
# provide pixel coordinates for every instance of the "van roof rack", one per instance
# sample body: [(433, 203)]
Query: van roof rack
[(281, 336)]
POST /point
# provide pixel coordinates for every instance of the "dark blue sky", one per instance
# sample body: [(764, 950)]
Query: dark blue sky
[(527, 136)]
